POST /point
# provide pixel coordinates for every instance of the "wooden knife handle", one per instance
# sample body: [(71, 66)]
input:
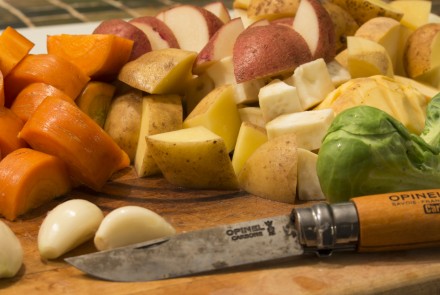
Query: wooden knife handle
[(399, 221)]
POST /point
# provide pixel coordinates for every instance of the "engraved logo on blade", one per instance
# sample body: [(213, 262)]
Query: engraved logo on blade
[(252, 231)]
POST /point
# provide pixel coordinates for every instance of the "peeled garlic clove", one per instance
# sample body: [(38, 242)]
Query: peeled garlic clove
[(67, 226), (130, 225), (11, 252)]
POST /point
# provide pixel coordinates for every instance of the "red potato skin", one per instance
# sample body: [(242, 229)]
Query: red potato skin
[(124, 29), (327, 47), (264, 51), (160, 27)]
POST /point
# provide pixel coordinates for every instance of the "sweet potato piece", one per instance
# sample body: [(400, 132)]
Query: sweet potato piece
[(98, 55), (31, 97), (11, 125), (62, 129), (47, 68), (13, 48), (28, 179)]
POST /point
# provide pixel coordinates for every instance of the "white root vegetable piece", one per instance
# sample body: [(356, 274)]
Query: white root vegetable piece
[(309, 127), (158, 33), (193, 158), (249, 139), (278, 98), (164, 71), (271, 171), (67, 226), (217, 112), (160, 113), (266, 51), (314, 24), (253, 115), (11, 252), (130, 225), (123, 121), (367, 58), (124, 29), (219, 46), (313, 83), (338, 73), (193, 26), (308, 188)]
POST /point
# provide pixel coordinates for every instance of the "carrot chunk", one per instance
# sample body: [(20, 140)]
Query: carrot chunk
[(28, 179), (62, 129), (31, 97), (98, 55), (13, 48), (10, 126), (47, 68), (2, 90)]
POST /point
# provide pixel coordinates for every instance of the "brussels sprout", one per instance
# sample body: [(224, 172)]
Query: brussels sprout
[(366, 151), (431, 133)]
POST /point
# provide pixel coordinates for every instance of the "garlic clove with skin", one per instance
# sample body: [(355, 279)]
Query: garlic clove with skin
[(130, 225), (67, 226), (11, 252)]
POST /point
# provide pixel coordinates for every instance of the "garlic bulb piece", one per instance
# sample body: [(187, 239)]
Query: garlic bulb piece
[(11, 252), (130, 225), (67, 226)]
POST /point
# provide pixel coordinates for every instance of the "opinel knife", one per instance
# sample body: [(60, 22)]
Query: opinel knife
[(394, 221)]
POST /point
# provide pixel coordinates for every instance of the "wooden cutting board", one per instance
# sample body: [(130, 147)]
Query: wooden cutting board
[(408, 272)]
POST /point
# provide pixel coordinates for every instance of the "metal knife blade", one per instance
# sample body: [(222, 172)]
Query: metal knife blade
[(194, 252)]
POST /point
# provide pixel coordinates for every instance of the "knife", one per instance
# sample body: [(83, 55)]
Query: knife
[(383, 222)]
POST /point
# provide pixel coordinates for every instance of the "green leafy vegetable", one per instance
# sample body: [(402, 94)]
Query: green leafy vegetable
[(366, 151)]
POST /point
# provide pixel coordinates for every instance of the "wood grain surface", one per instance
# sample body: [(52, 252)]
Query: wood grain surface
[(405, 272)]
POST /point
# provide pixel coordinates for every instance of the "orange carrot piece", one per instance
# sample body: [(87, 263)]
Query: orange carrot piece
[(31, 97), (46, 68), (95, 100), (13, 48), (2, 90), (28, 179), (98, 55), (62, 129), (10, 126)]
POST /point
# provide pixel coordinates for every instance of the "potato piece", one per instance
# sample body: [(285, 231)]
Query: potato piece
[(415, 12), (343, 22), (427, 90), (164, 71), (123, 121), (218, 112), (308, 187), (309, 127), (271, 171), (271, 10), (367, 58), (364, 10), (242, 4), (385, 31), (160, 113), (197, 88), (422, 51), (193, 158), (249, 139)]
